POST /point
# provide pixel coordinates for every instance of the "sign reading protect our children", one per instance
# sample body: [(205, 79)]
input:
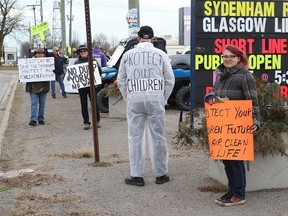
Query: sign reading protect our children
[(259, 28), (229, 130), (78, 75), (36, 69)]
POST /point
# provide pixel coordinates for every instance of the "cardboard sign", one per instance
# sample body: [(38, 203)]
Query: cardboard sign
[(36, 69), (67, 84), (229, 130), (78, 75), (41, 31)]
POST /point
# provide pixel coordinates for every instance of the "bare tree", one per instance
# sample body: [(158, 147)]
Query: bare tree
[(9, 20), (101, 40), (114, 43), (75, 40), (48, 42), (25, 49)]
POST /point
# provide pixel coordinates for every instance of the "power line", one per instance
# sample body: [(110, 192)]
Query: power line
[(124, 6), (33, 7)]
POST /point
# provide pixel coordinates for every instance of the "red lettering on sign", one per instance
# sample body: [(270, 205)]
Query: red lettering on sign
[(273, 46), (245, 44), (284, 91), (208, 88)]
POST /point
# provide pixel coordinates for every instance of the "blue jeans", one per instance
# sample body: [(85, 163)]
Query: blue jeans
[(59, 79), (35, 113), (235, 171)]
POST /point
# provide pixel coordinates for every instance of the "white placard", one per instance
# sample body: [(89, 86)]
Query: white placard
[(68, 86), (78, 75), (36, 69)]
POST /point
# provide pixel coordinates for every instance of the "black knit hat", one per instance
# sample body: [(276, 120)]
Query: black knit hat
[(146, 32), (81, 47)]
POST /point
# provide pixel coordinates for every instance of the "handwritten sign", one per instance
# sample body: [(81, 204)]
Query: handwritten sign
[(143, 80), (78, 75), (36, 69), (67, 84), (229, 130), (41, 31)]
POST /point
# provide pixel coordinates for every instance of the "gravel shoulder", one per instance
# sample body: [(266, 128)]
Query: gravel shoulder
[(66, 181)]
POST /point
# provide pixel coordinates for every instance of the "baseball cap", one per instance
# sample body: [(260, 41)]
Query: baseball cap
[(146, 32)]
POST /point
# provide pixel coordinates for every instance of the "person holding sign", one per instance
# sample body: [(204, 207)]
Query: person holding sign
[(82, 51), (146, 80), (38, 93), (59, 62), (234, 82)]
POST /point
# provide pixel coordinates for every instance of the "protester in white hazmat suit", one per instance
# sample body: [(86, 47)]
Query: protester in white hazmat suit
[(146, 80)]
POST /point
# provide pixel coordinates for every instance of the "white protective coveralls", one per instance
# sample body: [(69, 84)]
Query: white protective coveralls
[(146, 80)]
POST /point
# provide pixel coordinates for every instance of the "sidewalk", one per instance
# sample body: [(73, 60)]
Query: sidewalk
[(8, 83), (65, 183)]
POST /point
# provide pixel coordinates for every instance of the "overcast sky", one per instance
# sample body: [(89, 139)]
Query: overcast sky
[(108, 17)]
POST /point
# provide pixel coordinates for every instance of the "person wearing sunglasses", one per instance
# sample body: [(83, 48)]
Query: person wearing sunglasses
[(235, 82), (82, 51)]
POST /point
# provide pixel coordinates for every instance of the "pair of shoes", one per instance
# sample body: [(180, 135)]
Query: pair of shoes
[(32, 123), (41, 122), (137, 181), (224, 198), (162, 179), (232, 202), (86, 126), (54, 96), (64, 95), (98, 124)]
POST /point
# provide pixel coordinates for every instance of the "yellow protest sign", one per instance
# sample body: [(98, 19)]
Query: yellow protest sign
[(229, 130), (41, 31)]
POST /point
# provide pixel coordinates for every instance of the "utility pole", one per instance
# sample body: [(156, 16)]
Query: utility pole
[(41, 11), (30, 36), (133, 17), (70, 19), (33, 7), (63, 26)]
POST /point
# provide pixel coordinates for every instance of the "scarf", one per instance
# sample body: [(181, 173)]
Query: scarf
[(227, 72)]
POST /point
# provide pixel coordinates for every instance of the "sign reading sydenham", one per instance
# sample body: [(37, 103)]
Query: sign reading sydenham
[(259, 28), (78, 75), (36, 69)]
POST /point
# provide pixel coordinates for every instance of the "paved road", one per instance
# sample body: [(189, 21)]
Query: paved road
[(8, 81)]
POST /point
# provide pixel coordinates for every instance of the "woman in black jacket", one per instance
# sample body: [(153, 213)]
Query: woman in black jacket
[(82, 51), (235, 82)]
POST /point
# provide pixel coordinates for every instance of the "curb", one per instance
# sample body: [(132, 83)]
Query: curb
[(6, 115)]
